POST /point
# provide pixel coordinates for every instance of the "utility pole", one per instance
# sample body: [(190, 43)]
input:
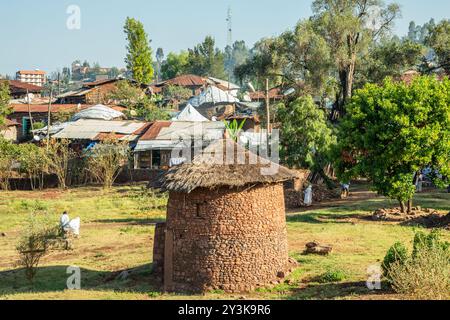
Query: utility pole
[(268, 106), (268, 113), (29, 111), (49, 116)]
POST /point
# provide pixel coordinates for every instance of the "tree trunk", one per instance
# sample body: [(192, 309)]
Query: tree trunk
[(410, 204), (402, 206)]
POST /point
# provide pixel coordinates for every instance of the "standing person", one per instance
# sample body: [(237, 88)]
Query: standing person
[(308, 196), (345, 190), (64, 222)]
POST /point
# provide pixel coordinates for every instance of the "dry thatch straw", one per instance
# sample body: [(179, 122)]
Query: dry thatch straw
[(224, 164)]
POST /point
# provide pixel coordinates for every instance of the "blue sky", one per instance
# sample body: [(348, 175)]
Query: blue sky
[(34, 33)]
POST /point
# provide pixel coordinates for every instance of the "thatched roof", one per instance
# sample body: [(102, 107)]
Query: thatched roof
[(224, 164)]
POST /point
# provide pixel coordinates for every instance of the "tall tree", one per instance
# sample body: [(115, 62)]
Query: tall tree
[(306, 138), (159, 62), (4, 101), (390, 57), (175, 65), (235, 56), (393, 131), (206, 60), (349, 26), (139, 57), (439, 40)]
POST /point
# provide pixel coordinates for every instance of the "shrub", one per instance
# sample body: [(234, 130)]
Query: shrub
[(423, 241), (396, 254), (332, 276), (426, 273), (37, 238)]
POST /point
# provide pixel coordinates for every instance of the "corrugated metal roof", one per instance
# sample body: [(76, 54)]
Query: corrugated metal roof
[(90, 129), (213, 95), (98, 112)]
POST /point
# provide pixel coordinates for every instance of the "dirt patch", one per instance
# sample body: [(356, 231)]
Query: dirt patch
[(428, 218)]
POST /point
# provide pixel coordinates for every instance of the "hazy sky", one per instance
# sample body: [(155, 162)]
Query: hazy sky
[(34, 34)]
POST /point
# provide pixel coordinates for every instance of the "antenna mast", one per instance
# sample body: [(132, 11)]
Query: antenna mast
[(230, 27)]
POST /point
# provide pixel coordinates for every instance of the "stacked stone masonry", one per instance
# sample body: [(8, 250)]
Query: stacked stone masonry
[(229, 239)]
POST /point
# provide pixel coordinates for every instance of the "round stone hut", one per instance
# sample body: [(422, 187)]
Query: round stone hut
[(226, 223)]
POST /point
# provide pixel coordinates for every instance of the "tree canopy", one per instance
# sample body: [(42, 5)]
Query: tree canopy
[(4, 101), (306, 136), (139, 57), (393, 131)]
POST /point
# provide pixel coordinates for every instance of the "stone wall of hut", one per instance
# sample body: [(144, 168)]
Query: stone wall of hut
[(230, 239)]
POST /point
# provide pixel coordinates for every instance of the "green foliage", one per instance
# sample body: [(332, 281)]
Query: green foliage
[(127, 94), (306, 137), (235, 56), (106, 160), (426, 273), (39, 125), (37, 238), (431, 241), (139, 105), (8, 156), (393, 131), (439, 40), (331, 276), (139, 56), (175, 65), (176, 94), (389, 58), (206, 60), (234, 128), (4, 101), (396, 254)]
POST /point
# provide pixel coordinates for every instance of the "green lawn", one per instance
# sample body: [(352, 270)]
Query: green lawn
[(117, 234)]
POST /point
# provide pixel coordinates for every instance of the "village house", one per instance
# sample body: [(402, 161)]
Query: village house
[(97, 92), (166, 142), (25, 114), (19, 90), (226, 223)]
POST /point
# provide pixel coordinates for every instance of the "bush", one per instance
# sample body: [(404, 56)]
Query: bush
[(332, 276), (396, 254), (37, 238), (426, 273)]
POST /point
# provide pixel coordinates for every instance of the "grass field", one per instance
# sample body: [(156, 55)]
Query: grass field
[(117, 234)]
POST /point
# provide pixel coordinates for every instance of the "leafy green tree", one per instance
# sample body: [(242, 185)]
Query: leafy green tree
[(439, 40), (139, 56), (176, 94), (306, 136), (235, 56), (176, 64), (126, 94), (139, 105), (206, 60), (390, 57), (4, 101), (393, 131), (8, 156)]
